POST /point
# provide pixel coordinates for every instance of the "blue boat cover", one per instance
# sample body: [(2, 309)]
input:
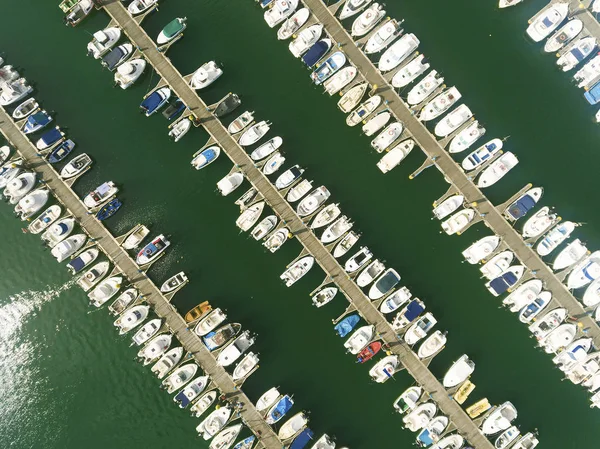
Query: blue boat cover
[(152, 101), (315, 53), (302, 439), (51, 136), (344, 327), (38, 119), (503, 283), (283, 406), (425, 438), (593, 95), (76, 264), (577, 54), (182, 399), (520, 207), (61, 152), (413, 310), (547, 22), (109, 210), (113, 58), (209, 154)]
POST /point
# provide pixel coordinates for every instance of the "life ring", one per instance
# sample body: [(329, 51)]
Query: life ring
[(561, 37)]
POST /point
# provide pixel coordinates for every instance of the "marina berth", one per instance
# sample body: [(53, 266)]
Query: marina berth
[(103, 41), (345, 244), (205, 75), (452, 121), (79, 12), (448, 206), (563, 35), (398, 52), (94, 275), (376, 122), (396, 155), (547, 21), (129, 72), (324, 296), (305, 39), (359, 339), (432, 345), (410, 72), (68, 247), (367, 20), (363, 111), (555, 237), (32, 203), (458, 222), (497, 170), (353, 7), (293, 24), (467, 137), (576, 52), (123, 301), (383, 36), (82, 260), (522, 205), (279, 11), (105, 289)]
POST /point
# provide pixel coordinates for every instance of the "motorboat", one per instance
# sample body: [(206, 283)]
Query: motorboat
[(586, 371), (586, 271), (396, 300), (180, 128), (506, 280), (387, 137), (214, 422), (535, 307), (384, 369), (419, 329), (152, 250), (124, 300), (305, 39), (288, 177), (351, 98), (359, 339), (370, 273), (586, 76), (49, 139), (324, 296), (398, 52), (76, 166), (7, 73), (250, 216), (129, 72), (279, 11), (247, 198), (408, 400), (396, 155), (254, 133), (203, 404), (523, 294), (262, 229), (26, 108), (432, 345), (193, 390), (167, 362), (367, 20), (353, 7), (345, 244), (448, 206), (197, 312), (453, 121), (205, 75), (497, 169), (453, 441), (383, 36), (500, 419), (61, 151), (266, 149), (325, 442), (358, 260), (14, 91), (538, 223), (58, 231), (117, 56), (45, 219), (82, 260), (245, 367), (574, 353), (326, 216), (576, 52), (68, 247), (225, 437), (555, 237), (497, 264), (155, 100), (506, 4), (440, 104), (131, 319), (420, 416), (79, 12), (550, 321), (276, 239), (299, 190), (210, 322), (528, 441), (427, 86), (172, 31), (179, 377), (457, 223), (297, 270), (363, 111), (19, 186), (563, 36), (522, 205), (408, 314), (410, 72), (227, 105), (293, 24), (103, 41), (507, 437), (312, 201), (482, 155), (346, 326), (279, 409), (105, 290), (315, 53), (383, 284), (559, 338), (94, 275), (570, 255), (147, 331), (432, 432), (591, 297), (174, 282), (328, 68), (292, 426), (100, 195), (460, 371), (336, 229), (467, 137), (268, 399), (241, 122), (32, 203), (547, 21), (229, 183), (138, 7)]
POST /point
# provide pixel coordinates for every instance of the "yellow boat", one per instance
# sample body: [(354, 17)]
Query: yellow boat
[(197, 312), (464, 391), (478, 408)]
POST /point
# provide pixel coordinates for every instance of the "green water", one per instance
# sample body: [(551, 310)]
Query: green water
[(68, 379)]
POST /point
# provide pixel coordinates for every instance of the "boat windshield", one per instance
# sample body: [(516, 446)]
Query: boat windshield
[(387, 282)]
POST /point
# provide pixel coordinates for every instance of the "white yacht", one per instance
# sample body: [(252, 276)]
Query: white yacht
[(522, 205), (497, 169), (383, 36), (576, 52), (458, 222), (229, 183), (359, 339), (297, 270), (432, 431), (507, 437), (180, 377), (563, 36), (550, 321), (123, 301), (103, 41), (235, 349), (531, 310), (358, 260), (524, 294), (32, 203), (506, 280), (432, 345), (370, 273), (352, 97), (241, 122), (506, 4), (377, 122), (305, 39), (453, 441), (293, 24), (250, 216), (410, 72), (460, 371), (105, 290), (141, 6), (14, 91), (448, 206), (100, 195), (352, 7), (585, 271), (591, 297), (245, 366), (167, 361), (539, 223), (561, 337), (299, 190), (576, 352), (204, 76), (266, 149), (214, 422), (92, 276), (420, 329), (467, 137), (453, 121), (22, 111), (279, 11), (210, 322), (68, 247), (267, 400), (191, 391), (384, 284), (547, 21), (76, 166), (396, 155), (528, 441), (387, 137), (276, 239), (180, 128), (324, 296), (500, 419), (420, 416), (421, 91), (555, 237), (384, 369), (482, 155), (254, 133), (313, 201), (588, 73), (440, 104), (398, 52), (58, 231), (340, 80), (481, 249), (292, 426), (154, 348), (152, 250), (367, 20), (19, 186), (395, 300), (129, 72), (225, 437), (363, 111)]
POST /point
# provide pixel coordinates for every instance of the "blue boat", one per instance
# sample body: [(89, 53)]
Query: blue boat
[(206, 157), (174, 109), (345, 326), (245, 444), (593, 95), (61, 151), (316, 52), (279, 410), (109, 210), (155, 101), (327, 68), (49, 138), (36, 122), (302, 439)]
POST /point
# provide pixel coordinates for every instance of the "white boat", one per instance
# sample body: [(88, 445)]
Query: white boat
[(83, 259), (387, 137), (570, 255), (19, 186), (152, 250), (384, 369), (245, 366), (559, 338), (102, 194), (563, 35), (14, 91), (147, 331), (179, 377), (352, 7), (191, 391), (205, 75), (555, 237), (585, 271), (370, 273), (279, 11), (234, 350), (420, 329), (458, 222), (204, 157), (58, 231), (340, 80), (214, 422), (454, 441), (288, 177), (453, 121), (292, 426), (432, 431), (591, 297), (167, 361), (92, 276), (45, 219), (497, 169), (410, 72), (524, 294), (68, 247), (497, 265), (550, 321), (297, 270), (440, 104), (22, 111), (325, 442), (351, 98), (299, 190), (324, 296), (267, 400), (576, 352), (420, 416), (250, 216), (105, 290), (359, 339), (506, 4), (180, 128), (383, 36), (210, 322), (547, 21), (481, 155), (129, 72), (538, 223), (588, 73), (523, 204), (481, 249), (117, 56), (531, 310), (155, 348), (507, 437), (32, 203), (276, 239), (421, 91), (229, 183), (172, 31), (174, 282), (358, 260), (103, 41), (293, 24), (77, 165), (448, 206), (241, 122), (467, 137), (225, 438), (266, 149), (576, 52), (254, 133), (398, 52), (367, 20), (396, 300), (432, 345), (377, 122), (396, 155), (384, 284), (408, 400), (500, 419), (313, 201), (305, 39), (273, 164), (141, 6), (586, 371), (460, 371), (265, 226), (528, 441), (199, 407), (363, 111), (326, 216), (9, 171)]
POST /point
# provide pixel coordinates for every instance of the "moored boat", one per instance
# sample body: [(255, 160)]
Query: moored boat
[(563, 35), (82, 260), (396, 155), (547, 21), (457, 223), (345, 244), (102, 194), (410, 72), (172, 31), (555, 237), (432, 345), (481, 249), (519, 208), (147, 331), (363, 111), (205, 75), (209, 322), (131, 318), (229, 183), (92, 276), (152, 250), (293, 24), (383, 36), (395, 300), (570, 255), (324, 296), (387, 137), (352, 97), (123, 301), (538, 223), (359, 339), (458, 372), (263, 228), (467, 137), (408, 400), (448, 206), (497, 170), (279, 11), (103, 41), (367, 20), (76, 166), (576, 52), (105, 290), (305, 39), (297, 270), (452, 121), (241, 122), (174, 282), (45, 219), (585, 271), (155, 100), (117, 56), (481, 155), (25, 109), (384, 284), (398, 52), (129, 72), (384, 369)]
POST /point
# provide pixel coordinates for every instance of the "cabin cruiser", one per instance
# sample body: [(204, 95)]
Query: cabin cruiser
[(497, 169), (305, 39), (92, 276), (410, 72), (482, 155), (555, 237), (297, 270), (316, 52), (82, 260), (100, 195), (326, 216), (440, 104), (358, 260), (68, 247), (467, 137), (174, 282), (370, 273), (254, 133), (384, 369), (351, 98), (519, 208), (458, 222), (105, 290), (103, 41), (377, 122), (570, 255), (131, 319), (32, 203), (292, 426), (276, 239), (367, 20), (129, 72), (585, 271), (36, 121), (387, 137), (288, 177), (383, 36), (408, 400), (539, 223), (266, 149), (550, 321), (268, 399), (424, 88), (452, 121), (359, 339), (278, 410), (14, 91), (460, 371), (245, 367), (226, 437), (214, 422), (363, 111), (352, 7), (141, 6), (76, 166), (574, 353), (50, 138), (530, 311), (345, 244), (250, 216), (591, 297), (172, 30), (204, 76), (313, 201), (19, 186), (179, 377), (394, 301), (209, 322), (497, 264), (58, 231), (117, 56), (587, 74), (280, 10), (507, 437), (419, 329), (420, 416), (215, 339), (229, 183), (432, 345), (586, 371), (481, 249), (500, 419), (547, 21), (45, 219), (384, 284), (340, 80), (398, 52), (299, 190), (328, 68), (559, 338), (123, 301), (324, 296), (191, 391), (147, 331), (506, 280), (167, 362), (396, 155), (432, 432), (293, 24), (524, 294), (563, 36), (79, 12), (263, 228), (448, 206), (152, 250), (576, 52)]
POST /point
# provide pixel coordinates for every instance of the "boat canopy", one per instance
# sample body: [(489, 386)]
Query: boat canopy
[(344, 327), (302, 439), (76, 264), (282, 407), (182, 398), (152, 101), (520, 207), (547, 22), (388, 281), (413, 310), (577, 54), (39, 118), (315, 53), (172, 28), (51, 136), (113, 58), (593, 95), (504, 282)]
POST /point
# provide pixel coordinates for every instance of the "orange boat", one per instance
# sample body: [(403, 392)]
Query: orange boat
[(368, 353), (197, 312)]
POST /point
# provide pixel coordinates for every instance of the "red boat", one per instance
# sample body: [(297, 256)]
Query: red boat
[(369, 352)]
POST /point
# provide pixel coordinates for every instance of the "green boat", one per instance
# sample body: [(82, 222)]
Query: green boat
[(67, 5), (173, 29)]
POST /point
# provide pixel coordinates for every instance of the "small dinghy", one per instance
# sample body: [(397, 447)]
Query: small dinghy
[(204, 76), (288, 177), (367, 20), (276, 239), (563, 36), (197, 312), (370, 273), (109, 209), (420, 416), (76, 166), (103, 193), (279, 11), (507, 437), (363, 111), (432, 432), (340, 80), (305, 39), (254, 133), (396, 155), (68, 247), (293, 24), (210, 322), (555, 237), (240, 123), (387, 137), (155, 100), (460, 371), (279, 409), (131, 319), (570, 255), (299, 190), (448, 206), (204, 403), (206, 157), (420, 329), (353, 7), (266, 149), (432, 345), (167, 362), (377, 122), (453, 121), (458, 222), (141, 6), (174, 282), (408, 400), (547, 21), (346, 326), (226, 437), (191, 391), (424, 88), (45, 219), (410, 72), (179, 377), (576, 52), (359, 339), (152, 250), (384, 369), (49, 139), (358, 260), (500, 419), (129, 72), (326, 216), (147, 331), (316, 52), (383, 36), (180, 128), (586, 271), (328, 68), (227, 105), (506, 280), (265, 226), (123, 301), (467, 137), (172, 31), (92, 276), (82, 260), (312, 201), (345, 244), (229, 183), (292, 426), (522, 205), (103, 41), (351, 98), (214, 422), (117, 56), (79, 12), (440, 104), (250, 216), (396, 300), (105, 290), (324, 295), (497, 170), (398, 52), (61, 151), (25, 109), (535, 307), (297, 270), (245, 367), (550, 321), (538, 223)]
